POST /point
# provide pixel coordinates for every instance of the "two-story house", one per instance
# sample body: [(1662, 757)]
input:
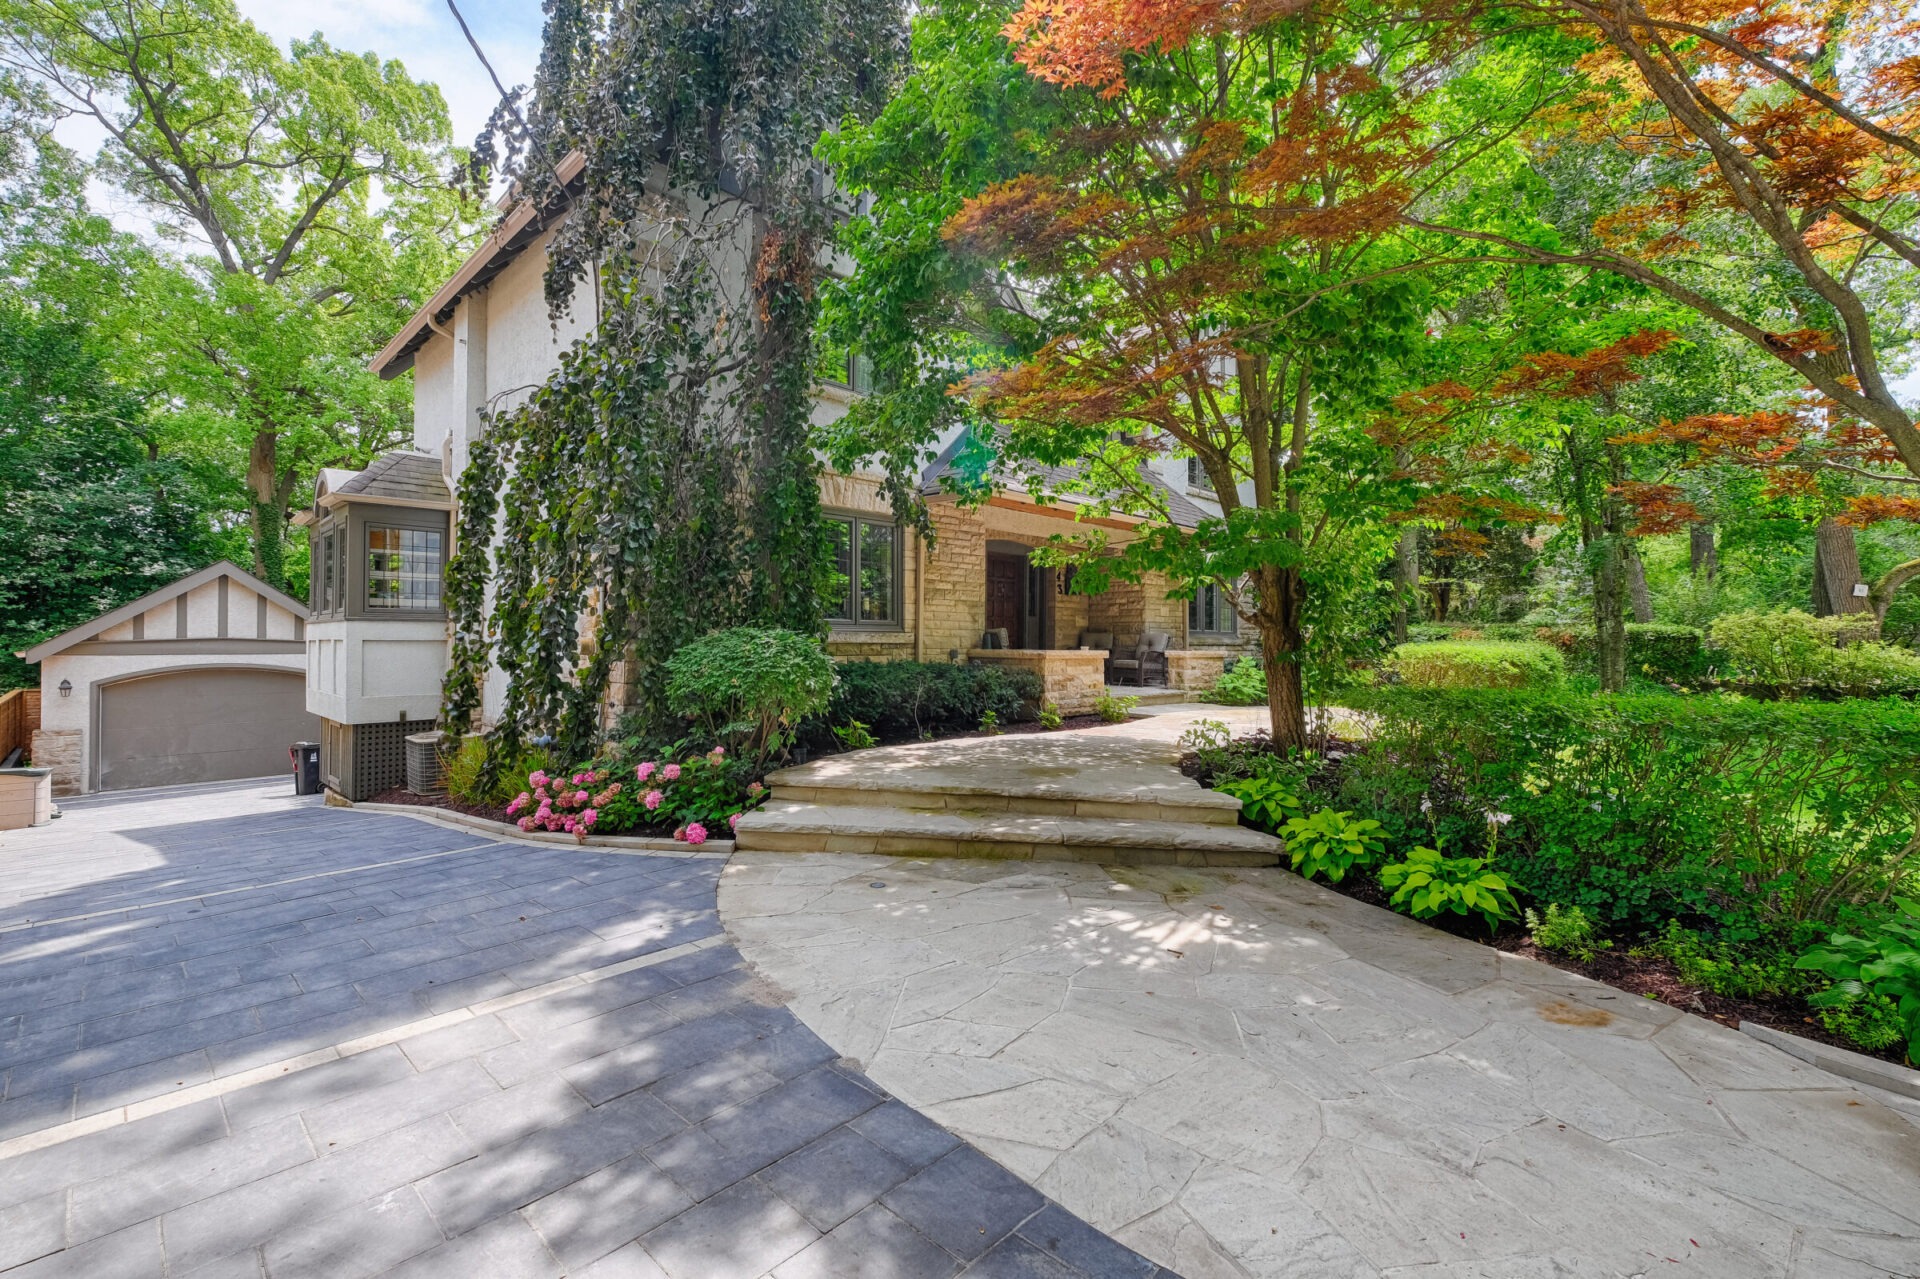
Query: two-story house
[(376, 639)]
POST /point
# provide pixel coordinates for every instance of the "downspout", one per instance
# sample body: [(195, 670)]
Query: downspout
[(919, 596)]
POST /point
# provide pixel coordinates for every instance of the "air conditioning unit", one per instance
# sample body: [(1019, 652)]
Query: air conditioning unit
[(423, 764)]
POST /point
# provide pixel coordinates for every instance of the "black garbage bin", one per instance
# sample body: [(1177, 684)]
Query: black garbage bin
[(306, 767)]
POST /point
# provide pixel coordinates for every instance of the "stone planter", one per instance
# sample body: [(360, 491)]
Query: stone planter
[(26, 797)]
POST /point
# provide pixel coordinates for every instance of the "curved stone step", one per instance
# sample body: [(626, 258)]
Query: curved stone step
[(1085, 774), (792, 826)]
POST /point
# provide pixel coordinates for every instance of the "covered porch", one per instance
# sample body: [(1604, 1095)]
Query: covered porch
[(987, 601)]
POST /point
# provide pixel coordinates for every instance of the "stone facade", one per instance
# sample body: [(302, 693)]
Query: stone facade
[(955, 601), (1074, 679), (1195, 668), (60, 750)]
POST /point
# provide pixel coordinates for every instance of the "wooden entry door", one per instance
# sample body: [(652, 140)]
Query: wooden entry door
[(1006, 596)]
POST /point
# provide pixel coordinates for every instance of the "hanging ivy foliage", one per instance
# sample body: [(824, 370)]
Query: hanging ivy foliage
[(661, 483)]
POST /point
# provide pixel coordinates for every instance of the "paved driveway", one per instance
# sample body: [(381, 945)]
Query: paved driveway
[(244, 1035)]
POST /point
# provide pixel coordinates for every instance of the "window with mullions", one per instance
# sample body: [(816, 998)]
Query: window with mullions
[(404, 568), (865, 586), (1197, 477), (1209, 613)]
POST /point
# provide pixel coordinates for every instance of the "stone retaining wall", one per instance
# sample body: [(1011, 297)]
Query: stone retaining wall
[(1074, 678)]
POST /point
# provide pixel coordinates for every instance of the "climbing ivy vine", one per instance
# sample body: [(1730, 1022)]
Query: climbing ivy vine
[(661, 483)]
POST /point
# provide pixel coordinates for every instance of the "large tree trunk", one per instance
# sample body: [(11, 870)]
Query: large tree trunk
[(1406, 581), (268, 523), (1704, 552), (1610, 613), (1637, 592), (1281, 642), (1836, 572)]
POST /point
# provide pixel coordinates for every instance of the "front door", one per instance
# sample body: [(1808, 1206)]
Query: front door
[(1007, 596)]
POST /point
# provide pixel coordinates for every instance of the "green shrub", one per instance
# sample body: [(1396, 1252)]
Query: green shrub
[(1884, 965), (1268, 802), (1477, 664), (460, 768), (855, 736), (1469, 632), (1736, 815), (1724, 968), (1206, 736), (750, 685), (1114, 710), (1870, 1022), (464, 765), (1674, 654), (1050, 717), (1793, 650), (1243, 684), (1566, 932), (916, 699), (1330, 844), (1429, 884), (705, 790)]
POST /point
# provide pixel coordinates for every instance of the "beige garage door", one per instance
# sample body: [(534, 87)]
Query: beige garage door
[(201, 726)]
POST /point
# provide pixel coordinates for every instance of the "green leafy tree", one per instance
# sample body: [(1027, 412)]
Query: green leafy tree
[(303, 192), (89, 517)]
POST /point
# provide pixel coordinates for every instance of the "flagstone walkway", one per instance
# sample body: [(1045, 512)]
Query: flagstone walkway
[(1239, 1073)]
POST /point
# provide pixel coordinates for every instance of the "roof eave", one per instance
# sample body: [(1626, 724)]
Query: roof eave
[(503, 244)]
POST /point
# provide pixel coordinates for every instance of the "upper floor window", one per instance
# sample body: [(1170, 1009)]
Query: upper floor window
[(1209, 613), (328, 594), (844, 366), (1197, 477), (865, 586), (404, 568)]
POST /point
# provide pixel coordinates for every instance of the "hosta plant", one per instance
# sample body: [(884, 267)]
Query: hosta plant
[(1429, 884), (1267, 802), (1329, 844), (1882, 965)]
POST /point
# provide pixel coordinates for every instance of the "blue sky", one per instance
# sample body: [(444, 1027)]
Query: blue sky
[(424, 37)]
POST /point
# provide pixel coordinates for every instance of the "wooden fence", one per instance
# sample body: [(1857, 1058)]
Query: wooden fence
[(19, 718)]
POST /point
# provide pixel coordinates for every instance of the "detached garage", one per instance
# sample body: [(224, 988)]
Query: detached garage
[(201, 681)]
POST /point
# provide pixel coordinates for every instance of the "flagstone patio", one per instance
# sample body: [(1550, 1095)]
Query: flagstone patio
[(1237, 1073)]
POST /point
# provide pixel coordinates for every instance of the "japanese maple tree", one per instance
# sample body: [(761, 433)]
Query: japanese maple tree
[(1212, 238), (1769, 175)]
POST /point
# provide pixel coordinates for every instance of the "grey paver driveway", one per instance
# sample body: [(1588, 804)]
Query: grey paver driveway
[(246, 1035)]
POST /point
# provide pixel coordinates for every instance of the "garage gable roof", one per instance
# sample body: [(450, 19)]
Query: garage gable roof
[(153, 599)]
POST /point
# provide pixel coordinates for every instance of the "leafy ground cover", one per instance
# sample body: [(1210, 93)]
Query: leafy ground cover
[(1734, 857)]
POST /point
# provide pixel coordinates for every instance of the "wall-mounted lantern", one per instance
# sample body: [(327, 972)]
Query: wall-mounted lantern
[(66, 688)]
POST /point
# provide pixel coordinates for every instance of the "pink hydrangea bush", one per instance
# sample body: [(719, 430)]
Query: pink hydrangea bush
[(568, 804), (689, 796)]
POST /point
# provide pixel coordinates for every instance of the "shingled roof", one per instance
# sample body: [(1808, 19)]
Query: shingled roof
[(404, 477), (1056, 479)]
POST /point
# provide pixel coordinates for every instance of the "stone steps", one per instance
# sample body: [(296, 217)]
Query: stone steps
[(791, 825), (1042, 798)]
